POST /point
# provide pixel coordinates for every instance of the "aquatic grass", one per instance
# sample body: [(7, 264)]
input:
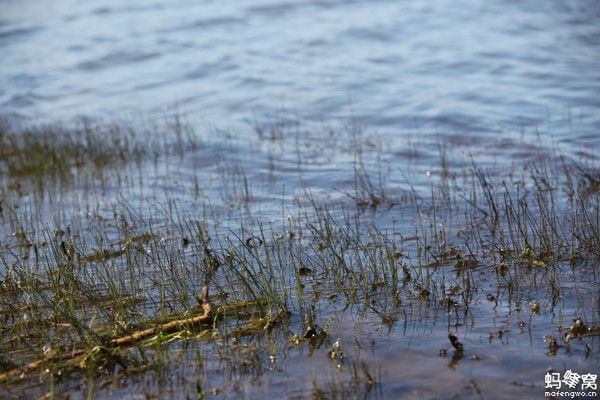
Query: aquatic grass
[(83, 278), (57, 152)]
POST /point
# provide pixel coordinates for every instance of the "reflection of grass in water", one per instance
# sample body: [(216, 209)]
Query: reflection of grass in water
[(83, 283)]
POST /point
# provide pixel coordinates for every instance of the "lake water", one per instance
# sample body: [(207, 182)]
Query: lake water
[(290, 99), (481, 68)]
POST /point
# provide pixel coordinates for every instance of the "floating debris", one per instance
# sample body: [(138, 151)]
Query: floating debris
[(185, 241), (578, 328), (458, 346), (253, 242), (553, 345), (335, 351), (303, 271), (534, 306)]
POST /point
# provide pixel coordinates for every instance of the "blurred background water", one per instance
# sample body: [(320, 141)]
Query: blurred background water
[(478, 68)]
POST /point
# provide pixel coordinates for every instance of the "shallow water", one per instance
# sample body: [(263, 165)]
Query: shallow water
[(415, 90)]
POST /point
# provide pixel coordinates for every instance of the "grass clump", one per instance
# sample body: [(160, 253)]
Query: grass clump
[(113, 287), (58, 152)]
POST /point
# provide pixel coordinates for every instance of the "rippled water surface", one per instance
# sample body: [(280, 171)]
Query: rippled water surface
[(478, 68), (294, 103)]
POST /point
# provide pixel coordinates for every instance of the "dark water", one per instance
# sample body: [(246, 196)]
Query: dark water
[(479, 68)]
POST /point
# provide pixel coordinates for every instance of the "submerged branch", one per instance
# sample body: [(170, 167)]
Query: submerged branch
[(117, 341)]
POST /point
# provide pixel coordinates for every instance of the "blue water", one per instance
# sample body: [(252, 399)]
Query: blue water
[(490, 77), (475, 68)]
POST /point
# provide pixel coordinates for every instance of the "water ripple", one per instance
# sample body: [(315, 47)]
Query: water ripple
[(485, 68)]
